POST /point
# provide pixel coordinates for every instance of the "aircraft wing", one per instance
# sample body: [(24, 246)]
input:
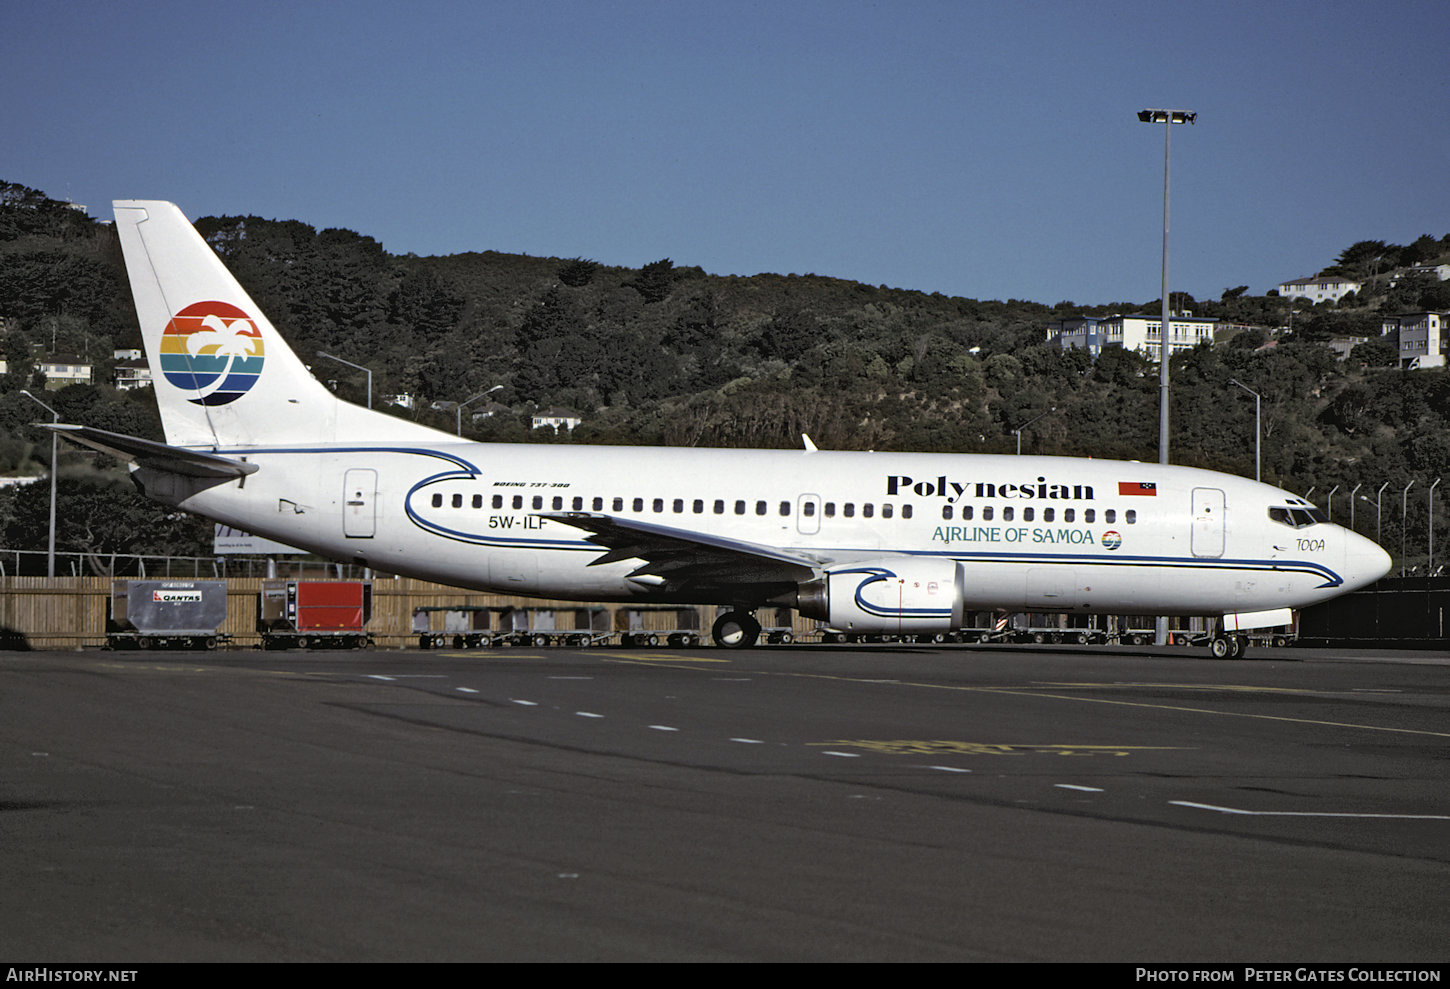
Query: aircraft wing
[(149, 453), (688, 555)]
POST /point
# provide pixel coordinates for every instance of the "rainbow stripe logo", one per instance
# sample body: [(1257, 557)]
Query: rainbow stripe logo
[(214, 350)]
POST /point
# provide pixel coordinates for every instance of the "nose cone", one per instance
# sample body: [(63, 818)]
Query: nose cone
[(1364, 561)]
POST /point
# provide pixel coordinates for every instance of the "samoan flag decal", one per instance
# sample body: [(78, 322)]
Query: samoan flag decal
[(1137, 488)]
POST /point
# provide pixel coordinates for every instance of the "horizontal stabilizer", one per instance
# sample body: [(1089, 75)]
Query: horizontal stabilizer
[(157, 456)]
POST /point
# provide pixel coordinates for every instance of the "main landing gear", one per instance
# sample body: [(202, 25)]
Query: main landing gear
[(735, 630), (1227, 646)]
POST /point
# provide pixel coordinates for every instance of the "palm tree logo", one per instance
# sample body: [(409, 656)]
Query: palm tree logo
[(214, 350)]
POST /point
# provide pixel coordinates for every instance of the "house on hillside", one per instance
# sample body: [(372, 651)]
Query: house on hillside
[(1440, 272), (130, 372), (1319, 289), (65, 369), (1421, 337), (1138, 332), (557, 419)]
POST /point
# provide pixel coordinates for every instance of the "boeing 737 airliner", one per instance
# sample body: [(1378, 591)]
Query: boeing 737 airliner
[(868, 542)]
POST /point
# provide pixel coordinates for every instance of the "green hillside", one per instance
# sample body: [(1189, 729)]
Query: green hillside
[(669, 354)]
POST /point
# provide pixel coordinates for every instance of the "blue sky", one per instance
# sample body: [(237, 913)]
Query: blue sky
[(980, 149)]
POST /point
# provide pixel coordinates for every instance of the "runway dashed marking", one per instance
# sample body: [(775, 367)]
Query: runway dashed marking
[(1307, 813)]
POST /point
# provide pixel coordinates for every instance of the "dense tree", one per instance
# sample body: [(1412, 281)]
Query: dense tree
[(669, 354)]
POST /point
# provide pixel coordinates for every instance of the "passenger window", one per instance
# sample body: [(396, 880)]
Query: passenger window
[(677, 506), (518, 501), (1027, 515), (1048, 514), (830, 509), (867, 510), (1068, 514), (639, 504), (498, 501), (849, 510), (697, 506), (719, 506), (538, 502), (558, 502), (1131, 516), (578, 504), (809, 509), (986, 513), (785, 508), (458, 501), (761, 508), (438, 501), (658, 504), (740, 507), (1087, 513), (598, 504), (946, 513), (618, 504), (478, 501), (966, 513), (1110, 516), (1008, 514)]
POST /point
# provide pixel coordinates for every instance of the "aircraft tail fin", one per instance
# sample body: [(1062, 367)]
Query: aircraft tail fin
[(223, 375)]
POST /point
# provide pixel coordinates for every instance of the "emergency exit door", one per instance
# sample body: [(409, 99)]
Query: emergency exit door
[(359, 503), (1208, 522)]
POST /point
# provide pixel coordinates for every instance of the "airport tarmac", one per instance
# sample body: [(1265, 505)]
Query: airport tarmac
[(803, 804)]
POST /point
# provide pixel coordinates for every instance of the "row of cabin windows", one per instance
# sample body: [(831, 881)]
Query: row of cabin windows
[(742, 507), (677, 505), (1029, 514)]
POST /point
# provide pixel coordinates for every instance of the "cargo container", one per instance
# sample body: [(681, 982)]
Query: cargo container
[(315, 614), (167, 614), (485, 626)]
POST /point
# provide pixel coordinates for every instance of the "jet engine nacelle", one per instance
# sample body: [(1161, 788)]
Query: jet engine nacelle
[(900, 594)]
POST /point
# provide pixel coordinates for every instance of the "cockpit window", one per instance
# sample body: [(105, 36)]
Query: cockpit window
[(1297, 518)]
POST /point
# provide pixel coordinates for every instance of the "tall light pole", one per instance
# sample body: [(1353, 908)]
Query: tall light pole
[(1353, 491), (1404, 507), (459, 408), (54, 436), (1377, 495), (1430, 528), (1167, 118), (359, 367), (1258, 424), (1018, 431)]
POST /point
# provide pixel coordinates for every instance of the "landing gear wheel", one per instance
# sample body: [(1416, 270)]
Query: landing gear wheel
[(735, 630), (1220, 647)]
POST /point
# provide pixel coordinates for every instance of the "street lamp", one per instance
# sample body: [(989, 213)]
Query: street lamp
[(459, 408), (1167, 118), (1430, 528), (1330, 499), (54, 436), (1404, 506), (359, 367), (1018, 431), (1377, 495), (1352, 493), (1258, 424)]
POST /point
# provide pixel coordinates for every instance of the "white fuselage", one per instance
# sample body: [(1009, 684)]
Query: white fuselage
[(1030, 533)]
